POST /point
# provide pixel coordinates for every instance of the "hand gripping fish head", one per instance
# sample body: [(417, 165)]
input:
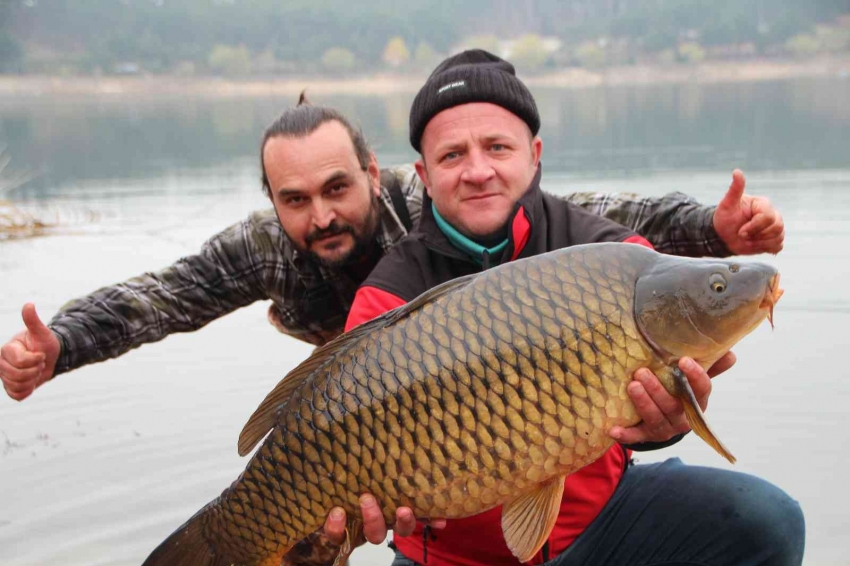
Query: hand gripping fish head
[(700, 309)]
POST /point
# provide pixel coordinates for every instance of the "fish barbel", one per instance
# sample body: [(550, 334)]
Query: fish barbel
[(487, 390)]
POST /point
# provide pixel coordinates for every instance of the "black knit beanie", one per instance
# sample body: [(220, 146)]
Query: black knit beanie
[(471, 76)]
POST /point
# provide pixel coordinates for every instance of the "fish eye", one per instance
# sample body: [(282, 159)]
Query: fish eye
[(717, 283), (734, 268)]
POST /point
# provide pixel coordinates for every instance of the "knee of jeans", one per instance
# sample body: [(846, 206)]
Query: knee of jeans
[(402, 560), (774, 526)]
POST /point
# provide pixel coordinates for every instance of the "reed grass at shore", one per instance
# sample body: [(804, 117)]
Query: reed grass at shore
[(16, 223)]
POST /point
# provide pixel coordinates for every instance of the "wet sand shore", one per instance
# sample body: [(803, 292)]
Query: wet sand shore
[(386, 84)]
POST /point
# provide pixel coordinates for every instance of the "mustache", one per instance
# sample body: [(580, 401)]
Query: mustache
[(333, 229)]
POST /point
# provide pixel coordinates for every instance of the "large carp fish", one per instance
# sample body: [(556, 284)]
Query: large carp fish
[(487, 390)]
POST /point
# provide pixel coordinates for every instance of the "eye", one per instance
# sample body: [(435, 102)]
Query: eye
[(717, 283)]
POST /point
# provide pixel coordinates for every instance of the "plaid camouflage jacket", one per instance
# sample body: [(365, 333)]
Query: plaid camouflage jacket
[(254, 260)]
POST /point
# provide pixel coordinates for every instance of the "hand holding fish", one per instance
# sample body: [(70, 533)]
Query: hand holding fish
[(662, 415), (662, 418), (374, 526), (748, 224), (29, 358)]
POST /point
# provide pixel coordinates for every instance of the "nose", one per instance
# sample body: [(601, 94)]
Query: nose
[(478, 169), (323, 213)]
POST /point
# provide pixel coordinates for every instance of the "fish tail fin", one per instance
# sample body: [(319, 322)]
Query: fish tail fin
[(188, 545), (695, 416)]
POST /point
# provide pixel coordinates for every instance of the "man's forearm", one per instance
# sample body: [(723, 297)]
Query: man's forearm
[(674, 223), (181, 298)]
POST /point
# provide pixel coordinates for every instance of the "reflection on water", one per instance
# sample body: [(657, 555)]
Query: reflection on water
[(614, 131), (100, 465)]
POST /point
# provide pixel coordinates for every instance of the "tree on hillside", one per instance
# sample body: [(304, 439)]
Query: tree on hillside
[(396, 52), (486, 42), (529, 52), (691, 52), (425, 56), (802, 45), (162, 35), (10, 53), (229, 60), (10, 49), (590, 55), (338, 59)]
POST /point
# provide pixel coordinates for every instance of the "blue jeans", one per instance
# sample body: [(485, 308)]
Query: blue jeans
[(677, 515)]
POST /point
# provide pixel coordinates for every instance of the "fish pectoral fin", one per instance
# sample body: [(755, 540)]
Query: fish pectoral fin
[(695, 416), (353, 538), (528, 520)]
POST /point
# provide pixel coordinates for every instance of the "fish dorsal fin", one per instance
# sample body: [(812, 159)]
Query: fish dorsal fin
[(265, 416), (429, 295), (528, 520), (695, 416)]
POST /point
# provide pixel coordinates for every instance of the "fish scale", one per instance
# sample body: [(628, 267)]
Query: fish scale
[(469, 397)]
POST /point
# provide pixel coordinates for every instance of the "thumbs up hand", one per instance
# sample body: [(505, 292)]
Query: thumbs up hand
[(748, 224), (29, 358)]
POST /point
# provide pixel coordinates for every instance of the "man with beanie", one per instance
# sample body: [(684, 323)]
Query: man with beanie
[(475, 126)]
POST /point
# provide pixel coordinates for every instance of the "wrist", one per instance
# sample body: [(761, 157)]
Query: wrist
[(63, 360), (646, 446), (713, 240)]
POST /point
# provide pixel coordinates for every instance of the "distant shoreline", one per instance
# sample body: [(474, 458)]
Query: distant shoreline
[(156, 86)]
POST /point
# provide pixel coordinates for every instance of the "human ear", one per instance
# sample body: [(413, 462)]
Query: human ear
[(373, 171), (536, 150), (422, 171)]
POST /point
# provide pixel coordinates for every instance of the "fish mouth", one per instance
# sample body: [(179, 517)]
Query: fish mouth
[(771, 297)]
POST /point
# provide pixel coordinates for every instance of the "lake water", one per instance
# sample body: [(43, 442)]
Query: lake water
[(99, 466)]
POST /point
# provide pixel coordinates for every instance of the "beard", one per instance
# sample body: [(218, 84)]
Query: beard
[(364, 239)]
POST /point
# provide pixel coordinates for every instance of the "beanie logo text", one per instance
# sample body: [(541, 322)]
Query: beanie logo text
[(455, 84)]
